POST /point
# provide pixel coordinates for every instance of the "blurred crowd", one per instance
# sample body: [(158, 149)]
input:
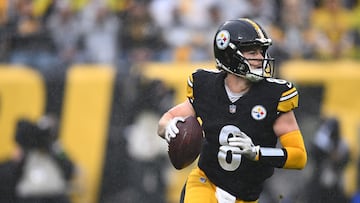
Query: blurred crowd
[(52, 35), (119, 32)]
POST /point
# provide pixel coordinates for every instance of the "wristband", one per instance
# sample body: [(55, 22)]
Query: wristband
[(275, 157)]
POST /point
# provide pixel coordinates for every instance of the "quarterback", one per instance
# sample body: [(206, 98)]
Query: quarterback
[(244, 113)]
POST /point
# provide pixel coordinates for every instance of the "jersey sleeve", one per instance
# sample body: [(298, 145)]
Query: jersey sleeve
[(289, 100)]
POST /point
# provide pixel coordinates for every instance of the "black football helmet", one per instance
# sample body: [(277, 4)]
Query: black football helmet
[(236, 35)]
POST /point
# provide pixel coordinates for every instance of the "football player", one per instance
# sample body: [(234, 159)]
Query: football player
[(244, 112)]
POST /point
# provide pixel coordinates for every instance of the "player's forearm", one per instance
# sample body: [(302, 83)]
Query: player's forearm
[(296, 152), (291, 156)]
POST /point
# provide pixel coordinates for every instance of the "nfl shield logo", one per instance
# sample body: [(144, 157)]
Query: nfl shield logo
[(232, 108)]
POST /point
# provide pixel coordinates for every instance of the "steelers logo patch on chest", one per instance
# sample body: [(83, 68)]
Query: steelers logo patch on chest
[(258, 112)]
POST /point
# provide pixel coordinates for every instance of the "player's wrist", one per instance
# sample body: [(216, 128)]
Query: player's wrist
[(275, 157)]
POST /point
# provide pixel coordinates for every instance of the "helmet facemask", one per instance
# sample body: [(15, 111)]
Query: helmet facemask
[(241, 67), (257, 74)]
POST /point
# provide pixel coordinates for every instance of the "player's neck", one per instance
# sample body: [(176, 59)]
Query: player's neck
[(237, 84)]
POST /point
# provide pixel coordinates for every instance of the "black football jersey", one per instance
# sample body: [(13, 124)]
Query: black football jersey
[(254, 114)]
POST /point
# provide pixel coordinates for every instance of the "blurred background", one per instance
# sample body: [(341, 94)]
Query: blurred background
[(105, 70)]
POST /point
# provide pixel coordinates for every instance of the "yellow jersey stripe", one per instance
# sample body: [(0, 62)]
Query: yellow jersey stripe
[(289, 100), (288, 94), (287, 97)]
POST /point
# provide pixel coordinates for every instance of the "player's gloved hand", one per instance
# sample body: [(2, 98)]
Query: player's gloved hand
[(247, 147), (171, 130)]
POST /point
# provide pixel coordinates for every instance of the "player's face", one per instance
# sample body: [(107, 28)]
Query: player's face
[(255, 57)]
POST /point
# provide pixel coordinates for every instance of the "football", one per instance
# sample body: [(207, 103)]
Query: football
[(186, 146)]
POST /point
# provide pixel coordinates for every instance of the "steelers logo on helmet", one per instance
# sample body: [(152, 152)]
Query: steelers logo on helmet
[(258, 112), (223, 39)]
